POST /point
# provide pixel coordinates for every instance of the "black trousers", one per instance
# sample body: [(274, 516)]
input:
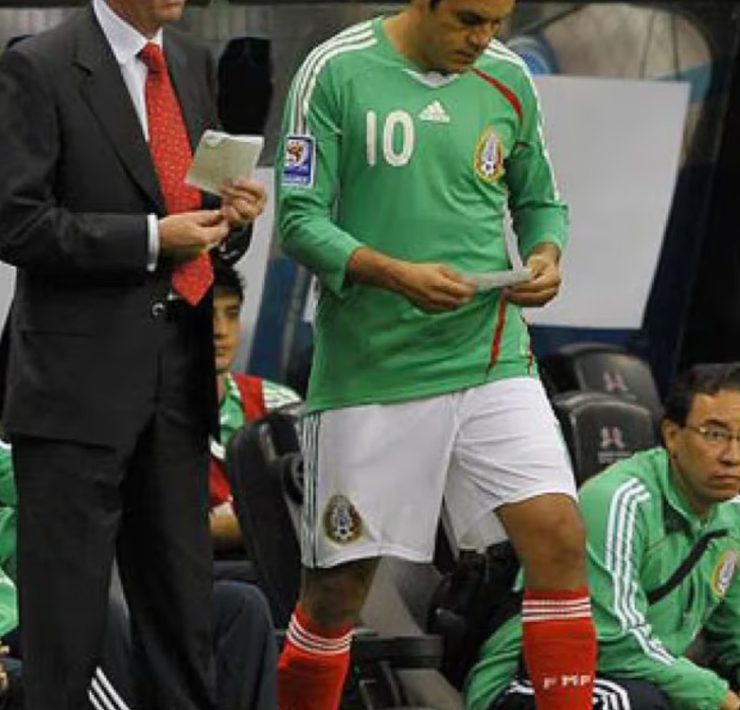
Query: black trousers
[(146, 502), (244, 648), (609, 694)]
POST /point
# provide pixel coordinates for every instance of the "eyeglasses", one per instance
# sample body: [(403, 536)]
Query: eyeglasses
[(715, 436)]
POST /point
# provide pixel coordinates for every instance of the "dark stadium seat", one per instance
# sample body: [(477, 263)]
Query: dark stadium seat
[(601, 428), (245, 85), (605, 368), (256, 458)]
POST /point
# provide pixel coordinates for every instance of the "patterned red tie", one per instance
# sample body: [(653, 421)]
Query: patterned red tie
[(170, 149)]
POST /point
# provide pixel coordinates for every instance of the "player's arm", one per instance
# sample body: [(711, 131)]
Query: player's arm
[(307, 192), (307, 181), (430, 287), (540, 219), (616, 525), (544, 263)]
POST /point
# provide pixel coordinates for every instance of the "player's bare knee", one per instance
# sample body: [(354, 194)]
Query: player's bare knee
[(549, 536), (557, 560), (564, 541)]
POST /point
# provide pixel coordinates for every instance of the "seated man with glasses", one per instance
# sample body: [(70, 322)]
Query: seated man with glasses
[(663, 531)]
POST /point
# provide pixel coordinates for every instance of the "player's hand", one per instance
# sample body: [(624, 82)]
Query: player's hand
[(731, 702), (544, 284), (189, 234), (242, 202), (433, 288)]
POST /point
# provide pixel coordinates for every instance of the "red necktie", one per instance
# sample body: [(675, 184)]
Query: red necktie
[(170, 149)]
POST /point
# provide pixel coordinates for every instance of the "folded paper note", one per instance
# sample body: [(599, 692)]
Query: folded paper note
[(221, 158), (488, 280)]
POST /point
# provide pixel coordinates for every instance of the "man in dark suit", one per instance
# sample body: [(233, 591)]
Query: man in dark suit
[(109, 376)]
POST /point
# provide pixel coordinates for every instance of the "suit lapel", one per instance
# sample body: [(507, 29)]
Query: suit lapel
[(105, 92)]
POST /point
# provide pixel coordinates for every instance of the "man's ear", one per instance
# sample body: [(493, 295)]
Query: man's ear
[(670, 431)]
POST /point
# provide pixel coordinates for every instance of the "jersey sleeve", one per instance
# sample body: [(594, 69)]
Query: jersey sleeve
[(722, 631), (617, 534), (538, 213), (308, 177)]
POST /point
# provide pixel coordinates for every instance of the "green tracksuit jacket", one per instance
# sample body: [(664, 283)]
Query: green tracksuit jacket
[(8, 504), (639, 530)]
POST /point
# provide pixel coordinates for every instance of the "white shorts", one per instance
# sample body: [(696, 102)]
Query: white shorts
[(376, 475)]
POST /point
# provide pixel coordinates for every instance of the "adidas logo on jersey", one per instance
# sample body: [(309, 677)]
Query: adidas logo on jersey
[(435, 113)]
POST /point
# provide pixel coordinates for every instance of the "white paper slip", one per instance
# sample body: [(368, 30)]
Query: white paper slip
[(221, 157), (488, 280)]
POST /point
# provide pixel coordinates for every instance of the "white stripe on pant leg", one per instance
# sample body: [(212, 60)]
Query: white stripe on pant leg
[(522, 687), (97, 693), (93, 700), (606, 699), (117, 699), (104, 695), (622, 698)]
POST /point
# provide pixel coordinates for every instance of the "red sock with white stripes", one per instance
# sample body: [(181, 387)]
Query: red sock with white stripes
[(559, 648), (313, 665)]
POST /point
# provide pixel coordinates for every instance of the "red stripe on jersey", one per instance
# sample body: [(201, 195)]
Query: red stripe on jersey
[(500, 322), (509, 95), (530, 354)]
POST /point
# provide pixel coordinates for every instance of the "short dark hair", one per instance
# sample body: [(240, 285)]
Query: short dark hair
[(706, 378), (433, 4), (227, 278)]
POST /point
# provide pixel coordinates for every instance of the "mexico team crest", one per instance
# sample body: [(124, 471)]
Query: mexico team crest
[(724, 572), (489, 156), (342, 522), (300, 161)]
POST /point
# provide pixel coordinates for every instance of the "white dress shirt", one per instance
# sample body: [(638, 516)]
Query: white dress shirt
[(126, 43)]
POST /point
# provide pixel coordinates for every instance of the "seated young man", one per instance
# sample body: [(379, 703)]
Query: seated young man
[(644, 517), (242, 399)]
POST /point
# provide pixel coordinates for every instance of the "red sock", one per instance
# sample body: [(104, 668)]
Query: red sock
[(313, 665), (559, 648)]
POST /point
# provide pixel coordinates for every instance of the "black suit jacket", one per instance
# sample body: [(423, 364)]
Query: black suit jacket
[(76, 184)]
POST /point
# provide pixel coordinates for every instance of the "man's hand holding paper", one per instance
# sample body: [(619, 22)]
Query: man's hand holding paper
[(544, 285), (223, 165), (242, 201)]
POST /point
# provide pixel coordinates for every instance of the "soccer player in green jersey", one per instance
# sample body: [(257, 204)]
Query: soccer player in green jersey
[(405, 140), (644, 518)]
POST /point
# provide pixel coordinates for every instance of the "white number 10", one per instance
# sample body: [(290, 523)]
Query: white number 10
[(395, 158)]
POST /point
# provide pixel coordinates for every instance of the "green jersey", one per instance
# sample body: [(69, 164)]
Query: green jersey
[(421, 167), (639, 531), (8, 518)]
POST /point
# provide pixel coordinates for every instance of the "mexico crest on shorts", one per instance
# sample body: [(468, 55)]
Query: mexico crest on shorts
[(299, 165), (342, 522), (489, 156), (724, 572)]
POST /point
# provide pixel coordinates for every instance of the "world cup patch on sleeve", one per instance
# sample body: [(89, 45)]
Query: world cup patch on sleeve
[(299, 163)]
